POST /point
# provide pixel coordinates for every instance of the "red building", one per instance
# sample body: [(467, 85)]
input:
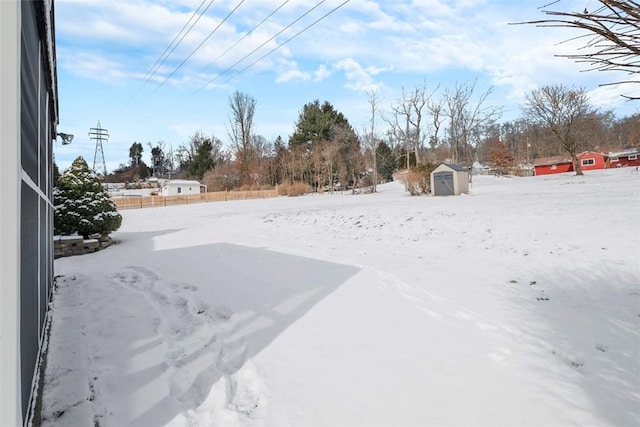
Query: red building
[(590, 160), (551, 165), (629, 157)]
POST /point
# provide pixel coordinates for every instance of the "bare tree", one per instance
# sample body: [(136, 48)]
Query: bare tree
[(435, 107), (418, 100), (243, 108), (329, 150), (371, 138), (466, 118), (612, 39), (560, 109), (408, 112)]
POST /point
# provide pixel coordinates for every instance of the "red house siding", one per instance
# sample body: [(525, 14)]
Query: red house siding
[(590, 160), (626, 161), (551, 169)]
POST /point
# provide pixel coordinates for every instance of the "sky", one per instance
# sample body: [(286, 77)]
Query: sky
[(119, 63)]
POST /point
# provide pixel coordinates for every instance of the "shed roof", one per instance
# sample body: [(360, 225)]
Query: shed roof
[(455, 167)]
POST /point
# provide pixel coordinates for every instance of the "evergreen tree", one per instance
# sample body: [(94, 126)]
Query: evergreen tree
[(315, 123), (56, 173), (135, 153), (82, 205), (386, 161), (203, 160)]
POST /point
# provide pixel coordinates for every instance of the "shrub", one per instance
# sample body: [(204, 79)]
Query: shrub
[(418, 181), (82, 205), (294, 189)]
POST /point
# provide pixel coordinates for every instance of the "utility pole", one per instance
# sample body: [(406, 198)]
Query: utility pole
[(98, 134)]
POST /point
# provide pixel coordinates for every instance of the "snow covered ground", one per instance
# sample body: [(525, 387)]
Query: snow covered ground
[(517, 304)]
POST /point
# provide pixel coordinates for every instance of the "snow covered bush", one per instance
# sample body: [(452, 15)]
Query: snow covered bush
[(82, 205)]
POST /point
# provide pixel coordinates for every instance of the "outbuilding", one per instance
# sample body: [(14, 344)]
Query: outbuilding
[(554, 164), (449, 179), (182, 187)]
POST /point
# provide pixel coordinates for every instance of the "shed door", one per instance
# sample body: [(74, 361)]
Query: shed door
[(443, 185)]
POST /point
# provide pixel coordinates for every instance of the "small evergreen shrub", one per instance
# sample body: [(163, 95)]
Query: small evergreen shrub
[(82, 205)]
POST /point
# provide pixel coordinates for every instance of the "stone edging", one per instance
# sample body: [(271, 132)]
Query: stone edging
[(76, 245)]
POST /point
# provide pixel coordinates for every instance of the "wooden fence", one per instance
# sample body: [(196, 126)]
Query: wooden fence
[(218, 196)]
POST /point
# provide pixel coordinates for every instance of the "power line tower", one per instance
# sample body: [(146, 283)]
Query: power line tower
[(98, 134)]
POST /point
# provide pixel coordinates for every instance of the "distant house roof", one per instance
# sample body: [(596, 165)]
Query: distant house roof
[(181, 182), (455, 167), (553, 160), (587, 153), (626, 152)]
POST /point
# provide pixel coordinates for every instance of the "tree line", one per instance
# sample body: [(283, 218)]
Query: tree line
[(423, 126)]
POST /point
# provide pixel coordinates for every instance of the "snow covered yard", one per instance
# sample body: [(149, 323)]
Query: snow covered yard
[(517, 304)]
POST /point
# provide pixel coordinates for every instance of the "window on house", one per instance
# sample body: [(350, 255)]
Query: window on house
[(588, 162), (633, 157), (554, 167), (614, 159), (179, 190)]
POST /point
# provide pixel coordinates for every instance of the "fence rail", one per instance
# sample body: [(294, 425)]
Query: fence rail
[(218, 196)]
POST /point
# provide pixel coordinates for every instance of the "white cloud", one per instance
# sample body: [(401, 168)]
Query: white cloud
[(288, 71), (322, 73), (359, 78), (610, 96)]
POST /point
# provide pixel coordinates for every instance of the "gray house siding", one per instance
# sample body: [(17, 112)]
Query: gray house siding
[(28, 91)]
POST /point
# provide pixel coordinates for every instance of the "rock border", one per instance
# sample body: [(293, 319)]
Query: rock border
[(64, 246)]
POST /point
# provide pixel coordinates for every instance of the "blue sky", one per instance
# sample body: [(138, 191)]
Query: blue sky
[(105, 49)]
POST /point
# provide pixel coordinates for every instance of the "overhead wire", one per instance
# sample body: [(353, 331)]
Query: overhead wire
[(248, 34), (164, 56), (160, 61), (263, 44), (287, 41), (199, 46)]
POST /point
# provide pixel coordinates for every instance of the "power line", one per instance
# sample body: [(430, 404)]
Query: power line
[(288, 40), (164, 56), (263, 44), (200, 45), (248, 34)]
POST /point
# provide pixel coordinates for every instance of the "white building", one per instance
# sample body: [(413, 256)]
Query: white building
[(182, 187)]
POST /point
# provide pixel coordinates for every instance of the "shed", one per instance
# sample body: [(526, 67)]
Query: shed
[(590, 160), (182, 187), (551, 165), (449, 179)]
